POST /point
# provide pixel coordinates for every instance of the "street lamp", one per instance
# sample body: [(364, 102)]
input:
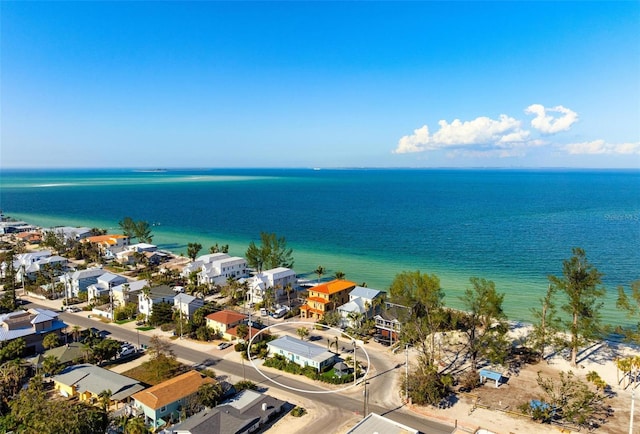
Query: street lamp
[(365, 409)]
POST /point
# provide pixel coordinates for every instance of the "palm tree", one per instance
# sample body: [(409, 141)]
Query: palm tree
[(339, 275), (136, 426), (288, 289), (105, 399), (209, 394), (320, 272), (303, 332), (76, 332)]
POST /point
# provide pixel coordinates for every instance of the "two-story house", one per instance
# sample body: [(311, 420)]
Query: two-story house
[(109, 244), (80, 280), (326, 297), (219, 271), (363, 302), (223, 321), (186, 305), (31, 325), (155, 295), (104, 285), (277, 278)]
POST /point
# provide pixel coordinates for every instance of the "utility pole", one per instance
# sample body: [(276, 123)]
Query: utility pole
[(633, 392), (355, 364), (365, 403), (406, 372)]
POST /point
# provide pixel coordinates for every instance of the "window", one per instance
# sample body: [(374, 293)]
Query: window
[(163, 408)]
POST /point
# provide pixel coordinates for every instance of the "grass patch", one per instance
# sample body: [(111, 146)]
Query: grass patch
[(123, 321), (145, 328), (157, 370)]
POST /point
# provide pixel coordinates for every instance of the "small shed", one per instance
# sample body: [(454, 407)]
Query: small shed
[(486, 374), (341, 369)]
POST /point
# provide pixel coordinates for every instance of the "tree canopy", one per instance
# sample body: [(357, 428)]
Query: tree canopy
[(271, 253), (136, 229)]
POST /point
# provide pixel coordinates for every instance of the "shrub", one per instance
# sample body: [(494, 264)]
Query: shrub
[(298, 412), (469, 380)]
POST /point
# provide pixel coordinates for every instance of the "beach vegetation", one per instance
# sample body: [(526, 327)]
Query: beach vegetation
[(136, 229), (547, 324), (571, 400), (580, 283), (302, 332), (629, 303), (219, 249), (485, 327), (271, 253), (193, 249), (427, 386), (11, 350), (8, 302), (319, 271)]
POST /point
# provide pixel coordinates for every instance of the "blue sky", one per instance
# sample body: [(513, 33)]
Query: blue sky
[(320, 84)]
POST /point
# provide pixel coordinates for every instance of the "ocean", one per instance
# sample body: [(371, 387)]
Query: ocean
[(514, 227)]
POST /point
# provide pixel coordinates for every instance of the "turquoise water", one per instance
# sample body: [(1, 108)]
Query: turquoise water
[(511, 226)]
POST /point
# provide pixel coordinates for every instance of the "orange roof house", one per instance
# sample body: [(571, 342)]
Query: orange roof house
[(160, 402), (224, 320), (326, 297)]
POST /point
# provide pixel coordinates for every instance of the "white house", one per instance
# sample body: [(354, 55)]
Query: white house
[(277, 278), (128, 292), (200, 261), (157, 294), (218, 271), (301, 352), (71, 233), (187, 304), (28, 265), (79, 281), (104, 284)]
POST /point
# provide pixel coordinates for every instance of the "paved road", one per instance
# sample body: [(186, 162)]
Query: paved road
[(381, 383)]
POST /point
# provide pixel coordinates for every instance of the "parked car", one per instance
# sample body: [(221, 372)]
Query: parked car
[(126, 350), (72, 309), (223, 345)]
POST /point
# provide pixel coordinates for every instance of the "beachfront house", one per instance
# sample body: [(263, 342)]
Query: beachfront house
[(277, 278), (104, 285), (363, 304), (223, 321), (302, 353), (186, 305), (31, 325), (29, 265), (244, 413), (196, 266), (218, 272), (155, 295), (110, 244), (70, 233), (389, 321), (326, 297), (86, 382), (163, 402), (77, 282)]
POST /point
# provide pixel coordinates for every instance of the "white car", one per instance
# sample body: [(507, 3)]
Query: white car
[(223, 345), (72, 309)]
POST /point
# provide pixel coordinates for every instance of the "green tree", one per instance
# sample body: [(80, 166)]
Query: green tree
[(51, 340), (12, 376), (8, 302), (219, 249), (136, 425), (54, 240), (422, 293), (209, 394), (51, 365), (136, 229), (199, 316), (128, 227), (339, 275), (630, 304), (272, 253), (303, 332), (242, 330), (162, 313), (319, 271), (486, 326), (193, 249), (106, 349), (427, 386), (580, 283), (11, 350), (547, 323), (105, 399)]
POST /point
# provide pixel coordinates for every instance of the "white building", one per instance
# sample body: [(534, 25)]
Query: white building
[(104, 284), (157, 294), (79, 281), (277, 278), (187, 304), (301, 352), (218, 271)]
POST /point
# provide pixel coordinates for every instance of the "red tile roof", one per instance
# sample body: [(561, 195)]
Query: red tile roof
[(334, 286), (226, 317)]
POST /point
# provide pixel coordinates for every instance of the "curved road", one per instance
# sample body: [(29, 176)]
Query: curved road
[(381, 384)]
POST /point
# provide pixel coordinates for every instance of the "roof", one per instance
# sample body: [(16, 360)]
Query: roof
[(234, 331), (318, 300), (355, 305), (365, 293), (184, 298), (226, 317), (220, 420), (162, 291), (301, 348), (91, 378), (135, 285), (19, 324), (172, 390), (334, 286), (374, 423), (65, 353), (108, 239)]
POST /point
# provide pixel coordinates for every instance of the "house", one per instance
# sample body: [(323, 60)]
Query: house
[(374, 423), (31, 325), (109, 244), (389, 321), (326, 297), (29, 265), (244, 413), (66, 354), (87, 382), (196, 266), (79, 281), (104, 284), (252, 333), (31, 237), (187, 304), (71, 233), (277, 278), (128, 292), (143, 247), (157, 294), (218, 271), (363, 303), (14, 227), (163, 402), (301, 352), (225, 320)]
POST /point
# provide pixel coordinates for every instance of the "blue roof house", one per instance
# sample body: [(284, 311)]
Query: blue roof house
[(301, 352)]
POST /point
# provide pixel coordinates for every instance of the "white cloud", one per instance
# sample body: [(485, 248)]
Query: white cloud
[(480, 131), (602, 147), (549, 124)]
